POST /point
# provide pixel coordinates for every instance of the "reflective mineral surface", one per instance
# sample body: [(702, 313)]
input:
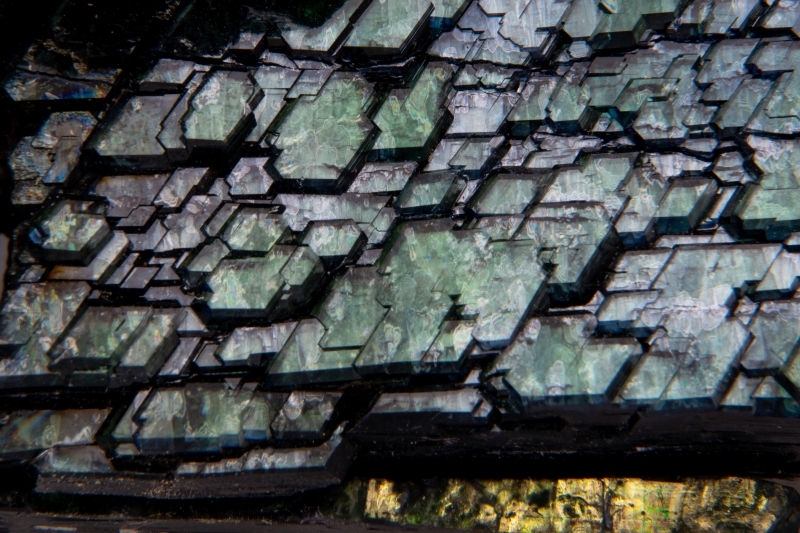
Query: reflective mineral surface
[(503, 265)]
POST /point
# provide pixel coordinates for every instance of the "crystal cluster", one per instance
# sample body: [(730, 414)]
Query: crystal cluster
[(279, 245)]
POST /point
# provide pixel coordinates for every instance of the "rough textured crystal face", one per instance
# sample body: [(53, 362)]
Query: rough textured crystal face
[(257, 248), (323, 135), (408, 120), (247, 286), (388, 27)]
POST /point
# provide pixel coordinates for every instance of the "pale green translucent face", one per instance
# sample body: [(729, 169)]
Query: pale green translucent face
[(334, 240), (388, 25), (200, 418), (506, 194), (433, 192), (156, 341), (303, 361), (680, 209), (323, 133), (43, 429), (134, 131), (219, 108), (407, 120), (100, 338), (71, 233), (554, 358), (249, 286), (254, 230)]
